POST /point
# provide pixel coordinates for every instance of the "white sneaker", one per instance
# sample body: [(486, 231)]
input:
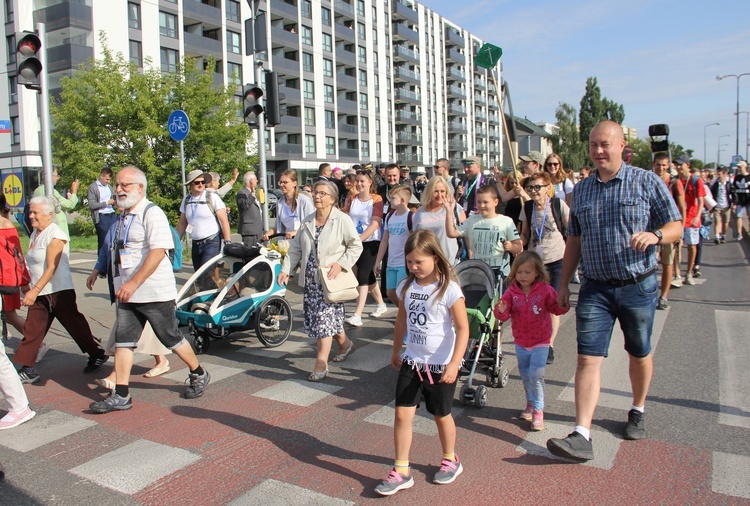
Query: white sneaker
[(739, 237), (677, 282), (43, 349), (354, 320), (689, 280), (379, 311)]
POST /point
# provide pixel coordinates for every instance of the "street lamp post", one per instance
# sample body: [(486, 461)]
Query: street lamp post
[(747, 132), (718, 148), (719, 78), (705, 153)]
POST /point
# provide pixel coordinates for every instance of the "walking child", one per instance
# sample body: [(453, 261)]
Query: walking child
[(398, 225), (529, 302), (433, 311)]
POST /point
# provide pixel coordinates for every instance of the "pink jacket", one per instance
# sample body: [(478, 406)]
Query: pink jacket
[(530, 313)]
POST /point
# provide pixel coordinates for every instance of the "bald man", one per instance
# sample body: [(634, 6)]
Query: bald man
[(617, 218)]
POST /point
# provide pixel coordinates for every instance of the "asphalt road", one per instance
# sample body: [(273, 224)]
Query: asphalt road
[(262, 434)]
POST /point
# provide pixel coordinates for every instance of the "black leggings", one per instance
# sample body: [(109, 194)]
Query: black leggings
[(366, 263)]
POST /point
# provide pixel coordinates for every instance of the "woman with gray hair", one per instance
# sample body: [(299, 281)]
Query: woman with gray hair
[(326, 238), (51, 294)]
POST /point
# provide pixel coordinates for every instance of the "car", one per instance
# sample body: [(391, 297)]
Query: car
[(273, 198)]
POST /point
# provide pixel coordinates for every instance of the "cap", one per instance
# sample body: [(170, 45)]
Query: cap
[(742, 162), (472, 159), (195, 174), (337, 169), (367, 166), (533, 156), (682, 159), (404, 168)]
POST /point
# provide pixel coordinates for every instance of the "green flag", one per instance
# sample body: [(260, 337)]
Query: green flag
[(488, 56)]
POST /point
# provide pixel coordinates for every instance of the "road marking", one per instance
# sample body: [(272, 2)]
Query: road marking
[(615, 391), (729, 475), (424, 423), (43, 429), (734, 375), (135, 466), (370, 358), (297, 392), (292, 345), (285, 493), (605, 445)]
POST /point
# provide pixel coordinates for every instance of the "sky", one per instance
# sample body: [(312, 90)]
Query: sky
[(658, 58)]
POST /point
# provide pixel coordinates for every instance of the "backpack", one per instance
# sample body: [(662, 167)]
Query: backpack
[(13, 272), (209, 201), (409, 219), (556, 206), (174, 254)]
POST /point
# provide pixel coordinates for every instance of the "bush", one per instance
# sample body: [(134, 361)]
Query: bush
[(82, 227)]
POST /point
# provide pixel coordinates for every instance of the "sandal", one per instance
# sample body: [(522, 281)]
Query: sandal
[(105, 383), (342, 356), (157, 371), (318, 376)]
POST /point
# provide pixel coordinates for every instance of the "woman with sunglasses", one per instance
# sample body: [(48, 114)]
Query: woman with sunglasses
[(543, 224), (292, 209), (563, 186), (366, 212)]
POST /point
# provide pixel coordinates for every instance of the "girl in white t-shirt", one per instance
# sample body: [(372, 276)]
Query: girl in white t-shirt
[(398, 225), (433, 311)]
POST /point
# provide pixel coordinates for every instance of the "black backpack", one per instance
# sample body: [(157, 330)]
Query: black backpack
[(528, 208)]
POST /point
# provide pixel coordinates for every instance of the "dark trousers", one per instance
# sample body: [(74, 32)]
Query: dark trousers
[(205, 250), (251, 240), (102, 227), (60, 305)]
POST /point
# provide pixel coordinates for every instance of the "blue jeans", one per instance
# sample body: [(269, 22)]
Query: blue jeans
[(205, 251), (531, 364), (600, 304)]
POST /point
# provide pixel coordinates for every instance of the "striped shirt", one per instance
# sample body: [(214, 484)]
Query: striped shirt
[(606, 215)]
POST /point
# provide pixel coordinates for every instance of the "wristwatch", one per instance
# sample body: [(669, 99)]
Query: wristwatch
[(658, 235)]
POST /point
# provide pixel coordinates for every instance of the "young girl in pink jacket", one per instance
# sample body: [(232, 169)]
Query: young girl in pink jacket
[(529, 302)]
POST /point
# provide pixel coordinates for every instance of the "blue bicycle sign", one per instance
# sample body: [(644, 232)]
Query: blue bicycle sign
[(178, 125)]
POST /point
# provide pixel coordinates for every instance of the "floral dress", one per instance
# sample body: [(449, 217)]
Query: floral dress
[(320, 318)]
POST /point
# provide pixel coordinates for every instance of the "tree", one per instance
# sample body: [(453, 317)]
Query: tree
[(110, 113), (595, 108), (566, 142)]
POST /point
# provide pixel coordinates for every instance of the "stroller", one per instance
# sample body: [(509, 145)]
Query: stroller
[(482, 289), (235, 291)]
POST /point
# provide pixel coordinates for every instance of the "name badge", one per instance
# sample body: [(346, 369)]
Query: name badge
[(539, 251), (126, 259), (189, 229)]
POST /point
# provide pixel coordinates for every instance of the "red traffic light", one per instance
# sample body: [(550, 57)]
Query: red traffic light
[(29, 45)]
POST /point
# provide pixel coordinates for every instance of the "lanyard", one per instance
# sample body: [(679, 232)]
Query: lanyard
[(539, 231), (193, 203), (124, 238)]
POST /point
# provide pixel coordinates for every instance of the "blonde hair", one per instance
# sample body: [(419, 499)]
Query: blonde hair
[(292, 174), (428, 195), (368, 174), (560, 175), (527, 257), (405, 189), (425, 242)]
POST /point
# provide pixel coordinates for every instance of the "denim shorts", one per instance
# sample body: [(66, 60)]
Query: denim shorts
[(741, 211), (393, 276), (691, 236), (600, 304)]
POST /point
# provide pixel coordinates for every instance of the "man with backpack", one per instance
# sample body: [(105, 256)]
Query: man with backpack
[(721, 190), (203, 215), (695, 190), (741, 193)]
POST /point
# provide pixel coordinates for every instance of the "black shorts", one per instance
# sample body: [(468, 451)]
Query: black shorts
[(366, 263), (438, 397)]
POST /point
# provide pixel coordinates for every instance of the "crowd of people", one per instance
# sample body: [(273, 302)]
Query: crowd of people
[(536, 226)]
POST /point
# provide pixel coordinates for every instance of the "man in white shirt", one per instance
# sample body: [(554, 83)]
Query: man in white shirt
[(216, 179), (101, 199), (145, 290)]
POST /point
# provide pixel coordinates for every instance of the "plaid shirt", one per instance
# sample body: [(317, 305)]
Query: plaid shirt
[(606, 215)]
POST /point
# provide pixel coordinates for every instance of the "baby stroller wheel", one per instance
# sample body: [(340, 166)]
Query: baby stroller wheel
[(199, 341), (504, 374), (466, 395), (273, 321), (480, 397), (493, 377)]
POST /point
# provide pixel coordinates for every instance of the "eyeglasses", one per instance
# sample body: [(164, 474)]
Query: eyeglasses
[(553, 164), (536, 187), (281, 183), (320, 194), (124, 185), (201, 182)]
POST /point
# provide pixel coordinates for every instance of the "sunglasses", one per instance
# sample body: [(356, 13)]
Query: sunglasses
[(363, 172), (536, 187), (201, 182), (467, 163), (553, 164)]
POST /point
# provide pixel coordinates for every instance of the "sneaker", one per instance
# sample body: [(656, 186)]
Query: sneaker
[(14, 419), (575, 446), (717, 240), (112, 402), (95, 362), (537, 420), (696, 272), (394, 482), (551, 356), (689, 280), (739, 237), (197, 385), (28, 375), (449, 471), (526, 413), (677, 282), (354, 320), (636, 426), (662, 304), (576, 279), (722, 239), (43, 349), (379, 311)]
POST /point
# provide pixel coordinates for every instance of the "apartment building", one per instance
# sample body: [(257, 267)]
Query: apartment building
[(364, 80)]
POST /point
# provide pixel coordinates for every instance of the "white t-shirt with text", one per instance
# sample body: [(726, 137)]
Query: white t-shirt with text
[(398, 232)]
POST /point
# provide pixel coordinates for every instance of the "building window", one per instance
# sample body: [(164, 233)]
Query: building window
[(13, 89), (378, 150), (167, 24), (309, 116), (233, 42), (327, 42), (169, 59), (363, 101), (310, 144), (377, 104), (136, 54), (361, 32), (362, 54), (330, 145), (365, 146), (233, 11), (328, 93), (15, 129), (377, 127), (306, 7), (308, 89), (374, 14), (362, 77), (235, 73), (8, 11), (134, 15), (361, 7), (11, 48), (330, 119), (374, 35), (364, 125), (307, 62), (327, 67), (325, 16), (307, 35)]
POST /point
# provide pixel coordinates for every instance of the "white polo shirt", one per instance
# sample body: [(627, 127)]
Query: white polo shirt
[(200, 216)]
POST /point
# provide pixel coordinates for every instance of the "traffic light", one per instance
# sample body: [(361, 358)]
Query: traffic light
[(273, 107), (251, 104), (28, 61)]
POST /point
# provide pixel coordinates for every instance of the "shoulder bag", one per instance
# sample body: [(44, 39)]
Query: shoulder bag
[(341, 289)]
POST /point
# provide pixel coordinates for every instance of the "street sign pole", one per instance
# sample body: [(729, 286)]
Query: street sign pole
[(262, 146), (182, 161), (44, 115)]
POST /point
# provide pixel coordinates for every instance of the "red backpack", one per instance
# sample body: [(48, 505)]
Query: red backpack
[(13, 272)]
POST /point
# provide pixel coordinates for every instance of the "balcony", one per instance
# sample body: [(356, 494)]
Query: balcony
[(288, 149), (481, 131), (348, 129), (346, 82), (343, 32), (290, 124), (65, 15), (453, 38), (408, 138), (344, 56), (401, 10), (480, 116), (454, 55), (479, 99), (345, 8), (403, 32), (456, 92), (494, 134), (408, 95), (346, 106), (349, 153), (456, 75), (404, 74), (293, 95), (284, 9), (493, 104), (407, 157), (404, 53), (455, 109), (200, 45), (457, 126), (280, 63), (281, 37), (479, 83), (195, 10), (494, 119), (481, 147), (403, 116), (67, 56), (458, 145)]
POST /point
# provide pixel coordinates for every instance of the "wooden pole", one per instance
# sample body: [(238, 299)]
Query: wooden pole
[(506, 132)]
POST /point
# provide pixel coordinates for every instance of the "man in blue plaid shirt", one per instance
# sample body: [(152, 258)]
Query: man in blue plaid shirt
[(617, 218)]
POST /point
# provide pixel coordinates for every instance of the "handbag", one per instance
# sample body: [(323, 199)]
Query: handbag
[(341, 289)]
